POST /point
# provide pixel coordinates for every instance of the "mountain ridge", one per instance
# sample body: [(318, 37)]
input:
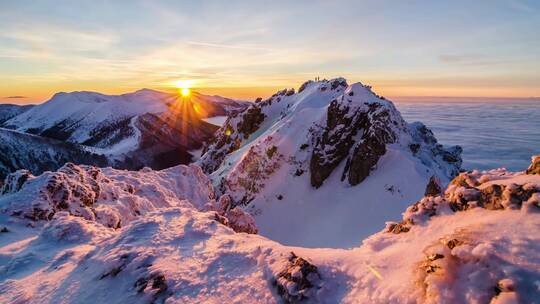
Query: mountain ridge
[(289, 154)]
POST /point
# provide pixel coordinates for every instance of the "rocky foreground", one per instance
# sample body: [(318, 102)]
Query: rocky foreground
[(89, 235)]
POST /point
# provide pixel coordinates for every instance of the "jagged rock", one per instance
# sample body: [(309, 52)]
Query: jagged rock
[(229, 138), (251, 120), (396, 228), (299, 280), (375, 121), (15, 181), (473, 190), (434, 187), (231, 216), (304, 86), (87, 192), (534, 168)]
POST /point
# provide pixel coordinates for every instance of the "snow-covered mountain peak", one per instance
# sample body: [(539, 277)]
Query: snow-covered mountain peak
[(294, 152)]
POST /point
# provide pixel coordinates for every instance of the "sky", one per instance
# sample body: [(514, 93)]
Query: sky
[(246, 49)]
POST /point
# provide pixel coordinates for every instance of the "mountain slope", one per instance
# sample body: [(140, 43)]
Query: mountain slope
[(87, 235), (8, 111), (104, 121), (37, 154), (144, 128), (285, 158)]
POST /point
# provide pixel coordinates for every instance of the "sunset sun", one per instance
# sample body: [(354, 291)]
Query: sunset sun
[(184, 87)]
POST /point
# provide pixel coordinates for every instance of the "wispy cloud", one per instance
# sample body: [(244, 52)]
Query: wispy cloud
[(229, 46), (520, 6), (475, 60), (15, 97)]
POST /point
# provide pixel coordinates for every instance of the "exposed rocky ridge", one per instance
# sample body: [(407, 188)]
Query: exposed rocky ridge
[(534, 168), (229, 137), (357, 132), (496, 189), (112, 197)]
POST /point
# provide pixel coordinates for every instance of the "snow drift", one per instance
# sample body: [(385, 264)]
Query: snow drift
[(61, 242), (324, 165)]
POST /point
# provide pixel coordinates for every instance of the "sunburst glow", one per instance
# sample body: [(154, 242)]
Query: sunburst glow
[(185, 92), (184, 86)]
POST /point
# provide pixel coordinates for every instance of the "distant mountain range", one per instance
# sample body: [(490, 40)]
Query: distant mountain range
[(144, 128)]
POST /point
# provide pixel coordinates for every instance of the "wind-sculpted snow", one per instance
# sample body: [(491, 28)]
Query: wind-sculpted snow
[(177, 253), (294, 152), (115, 197)]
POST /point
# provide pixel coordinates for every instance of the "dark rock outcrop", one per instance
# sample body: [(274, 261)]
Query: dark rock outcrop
[(471, 190), (229, 138), (298, 281), (534, 168), (358, 133), (434, 187), (231, 216)]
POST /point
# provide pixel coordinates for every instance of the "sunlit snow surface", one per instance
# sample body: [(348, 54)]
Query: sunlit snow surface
[(216, 120), (494, 133)]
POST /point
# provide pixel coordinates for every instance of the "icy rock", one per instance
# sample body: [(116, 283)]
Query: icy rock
[(473, 190), (228, 215), (299, 281), (375, 121), (534, 168), (434, 187), (14, 181)]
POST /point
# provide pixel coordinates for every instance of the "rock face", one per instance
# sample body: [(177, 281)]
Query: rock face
[(534, 168), (230, 216), (299, 281), (357, 132), (491, 190), (229, 138), (434, 187)]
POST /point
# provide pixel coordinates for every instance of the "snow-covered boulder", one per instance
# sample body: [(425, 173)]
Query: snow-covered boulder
[(285, 158), (108, 196), (534, 168)]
